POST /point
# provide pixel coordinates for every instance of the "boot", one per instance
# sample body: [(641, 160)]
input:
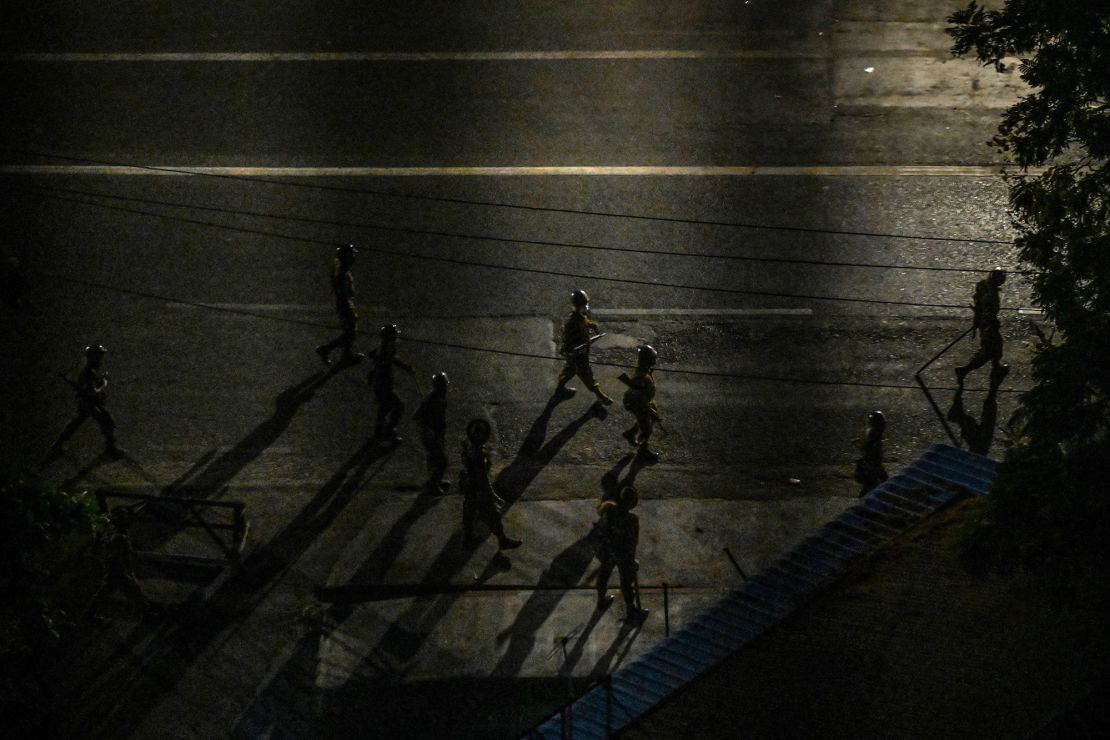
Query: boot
[(508, 543), (323, 352)]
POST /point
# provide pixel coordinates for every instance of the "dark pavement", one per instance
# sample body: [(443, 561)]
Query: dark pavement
[(211, 293)]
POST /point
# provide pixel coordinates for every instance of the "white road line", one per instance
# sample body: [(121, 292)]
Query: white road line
[(989, 170), (701, 312), (403, 56)]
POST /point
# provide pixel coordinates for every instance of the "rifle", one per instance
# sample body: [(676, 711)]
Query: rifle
[(97, 393), (576, 350)]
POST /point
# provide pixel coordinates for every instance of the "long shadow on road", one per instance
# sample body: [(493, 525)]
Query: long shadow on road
[(116, 706), (407, 634)]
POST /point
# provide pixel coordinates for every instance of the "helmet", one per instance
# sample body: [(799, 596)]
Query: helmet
[(579, 299), (95, 350), (346, 253), (998, 276), (646, 355), (440, 381), (628, 496), (876, 419), (389, 332), (478, 431)]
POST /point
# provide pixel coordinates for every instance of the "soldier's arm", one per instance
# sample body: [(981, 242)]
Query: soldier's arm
[(623, 377)]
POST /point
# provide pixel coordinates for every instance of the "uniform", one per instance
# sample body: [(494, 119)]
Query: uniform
[(91, 386), (432, 418), (390, 405), (575, 347), (869, 467), (119, 573), (619, 531), (640, 400), (343, 288), (480, 502), (985, 321)]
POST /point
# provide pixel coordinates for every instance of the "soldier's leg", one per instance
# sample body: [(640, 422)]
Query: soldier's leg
[(396, 409), (646, 423), (381, 400), (565, 375), (980, 358), (72, 426), (630, 590), (604, 570), (437, 467), (347, 340), (586, 373), (90, 610), (130, 588), (504, 541), (107, 427)]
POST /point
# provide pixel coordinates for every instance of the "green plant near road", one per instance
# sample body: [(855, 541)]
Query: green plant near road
[(1050, 507), (44, 544)]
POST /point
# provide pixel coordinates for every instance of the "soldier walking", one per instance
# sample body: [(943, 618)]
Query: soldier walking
[(432, 418), (869, 467), (92, 389), (481, 504), (380, 378), (578, 333), (343, 286), (640, 400), (985, 321), (619, 530)]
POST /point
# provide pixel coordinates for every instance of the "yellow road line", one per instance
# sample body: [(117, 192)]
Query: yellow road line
[(988, 170)]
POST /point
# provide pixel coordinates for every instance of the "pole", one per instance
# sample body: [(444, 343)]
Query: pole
[(666, 611)]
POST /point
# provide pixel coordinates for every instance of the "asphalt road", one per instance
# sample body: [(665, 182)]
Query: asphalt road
[(210, 292)]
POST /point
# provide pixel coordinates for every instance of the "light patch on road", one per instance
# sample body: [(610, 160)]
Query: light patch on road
[(310, 307), (701, 312), (403, 56), (992, 170)]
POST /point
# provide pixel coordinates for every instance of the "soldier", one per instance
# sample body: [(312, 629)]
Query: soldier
[(343, 286), (640, 400), (480, 502), (869, 467), (619, 529), (986, 322), (92, 388), (380, 378), (119, 569), (432, 417), (575, 348)]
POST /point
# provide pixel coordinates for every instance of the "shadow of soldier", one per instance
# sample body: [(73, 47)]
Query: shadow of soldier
[(978, 435), (113, 707)]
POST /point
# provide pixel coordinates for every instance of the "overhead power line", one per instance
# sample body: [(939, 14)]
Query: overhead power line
[(514, 206), (508, 240), (511, 268), (489, 350)]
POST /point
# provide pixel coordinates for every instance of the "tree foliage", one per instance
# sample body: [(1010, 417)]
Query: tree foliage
[(42, 531), (1050, 507)]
